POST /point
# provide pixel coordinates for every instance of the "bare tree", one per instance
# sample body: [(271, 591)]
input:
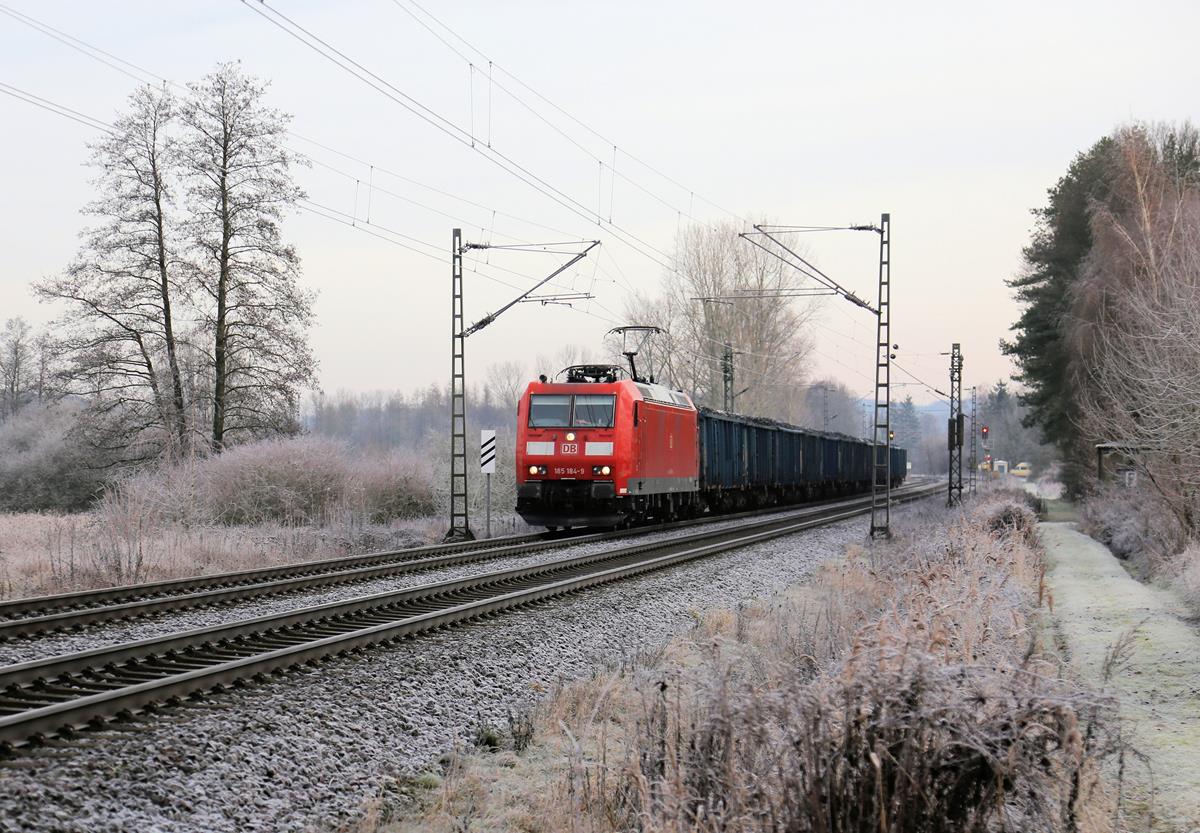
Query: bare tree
[(255, 315), (1136, 325), (506, 382), (767, 334), (827, 404), (119, 336), (17, 365)]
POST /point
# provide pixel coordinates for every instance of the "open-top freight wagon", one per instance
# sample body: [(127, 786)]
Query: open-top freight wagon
[(598, 450)]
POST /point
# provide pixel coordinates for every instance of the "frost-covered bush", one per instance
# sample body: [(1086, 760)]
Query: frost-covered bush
[(43, 463), (1133, 524), (1010, 515), (399, 484), (296, 481), (1186, 568)]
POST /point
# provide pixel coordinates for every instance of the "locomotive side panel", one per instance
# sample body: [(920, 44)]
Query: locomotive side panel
[(665, 459)]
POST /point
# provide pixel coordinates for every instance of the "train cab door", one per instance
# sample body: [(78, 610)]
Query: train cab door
[(636, 449)]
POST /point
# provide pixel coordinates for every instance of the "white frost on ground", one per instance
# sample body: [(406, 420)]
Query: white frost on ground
[(27, 649), (1095, 602), (305, 751)]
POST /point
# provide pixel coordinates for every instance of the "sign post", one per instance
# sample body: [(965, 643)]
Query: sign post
[(487, 465)]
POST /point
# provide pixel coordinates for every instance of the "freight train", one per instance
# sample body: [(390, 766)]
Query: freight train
[(603, 451)]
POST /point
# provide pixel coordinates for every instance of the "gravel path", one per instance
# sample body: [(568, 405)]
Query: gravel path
[(54, 644), (305, 751)]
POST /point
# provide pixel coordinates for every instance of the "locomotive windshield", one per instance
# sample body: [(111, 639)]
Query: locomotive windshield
[(549, 410), (594, 410), (553, 410)]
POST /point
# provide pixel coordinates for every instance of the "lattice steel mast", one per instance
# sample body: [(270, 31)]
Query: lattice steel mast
[(954, 427), (881, 481), (460, 525), (971, 474)]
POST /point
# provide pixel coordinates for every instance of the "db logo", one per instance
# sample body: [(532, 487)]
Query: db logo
[(570, 448)]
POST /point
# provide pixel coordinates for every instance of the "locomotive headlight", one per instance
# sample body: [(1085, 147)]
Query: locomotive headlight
[(605, 470), (533, 469), (570, 436)]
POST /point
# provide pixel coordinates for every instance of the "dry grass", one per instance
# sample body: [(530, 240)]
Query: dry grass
[(43, 553), (265, 503), (904, 688)]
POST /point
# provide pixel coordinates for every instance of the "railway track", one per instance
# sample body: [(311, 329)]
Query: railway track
[(61, 695), (74, 611)]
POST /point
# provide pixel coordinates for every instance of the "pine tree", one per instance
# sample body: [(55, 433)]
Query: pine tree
[(906, 424), (1053, 264)]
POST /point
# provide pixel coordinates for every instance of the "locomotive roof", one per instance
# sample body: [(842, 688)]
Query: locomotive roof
[(649, 391)]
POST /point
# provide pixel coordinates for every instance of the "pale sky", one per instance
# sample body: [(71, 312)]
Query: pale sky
[(953, 117)]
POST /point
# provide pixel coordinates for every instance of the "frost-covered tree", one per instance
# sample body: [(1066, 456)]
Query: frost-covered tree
[(1136, 315), (17, 365), (254, 314), (119, 336), (767, 333)]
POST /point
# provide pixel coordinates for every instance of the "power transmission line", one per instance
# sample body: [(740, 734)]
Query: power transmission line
[(54, 107), (492, 65), (454, 131), (94, 52)]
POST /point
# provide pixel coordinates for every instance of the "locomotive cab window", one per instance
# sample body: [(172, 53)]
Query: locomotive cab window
[(549, 410), (594, 410)]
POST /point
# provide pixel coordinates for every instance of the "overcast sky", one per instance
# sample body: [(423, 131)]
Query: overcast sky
[(953, 117)]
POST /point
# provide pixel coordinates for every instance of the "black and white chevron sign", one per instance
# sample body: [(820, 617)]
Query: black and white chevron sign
[(487, 451)]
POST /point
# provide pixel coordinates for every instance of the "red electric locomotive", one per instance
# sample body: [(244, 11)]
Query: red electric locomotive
[(599, 450)]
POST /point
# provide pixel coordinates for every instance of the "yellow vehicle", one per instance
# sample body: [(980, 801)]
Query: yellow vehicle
[(1021, 470)]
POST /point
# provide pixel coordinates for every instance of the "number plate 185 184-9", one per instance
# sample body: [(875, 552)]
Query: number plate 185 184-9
[(568, 471)]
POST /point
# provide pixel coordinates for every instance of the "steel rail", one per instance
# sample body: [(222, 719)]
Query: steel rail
[(60, 695), (62, 602), (68, 611)]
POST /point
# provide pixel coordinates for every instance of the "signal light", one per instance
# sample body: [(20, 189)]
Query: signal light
[(891, 435), (985, 431)]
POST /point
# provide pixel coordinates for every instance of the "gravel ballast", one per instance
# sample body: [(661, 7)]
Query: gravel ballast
[(26, 649), (305, 751)]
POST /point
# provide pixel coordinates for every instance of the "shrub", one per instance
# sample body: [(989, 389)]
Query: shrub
[(1010, 516), (1133, 524), (1186, 576), (924, 704), (298, 480), (397, 485), (898, 740), (293, 481), (43, 463)]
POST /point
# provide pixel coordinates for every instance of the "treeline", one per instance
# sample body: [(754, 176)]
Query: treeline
[(1109, 339)]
